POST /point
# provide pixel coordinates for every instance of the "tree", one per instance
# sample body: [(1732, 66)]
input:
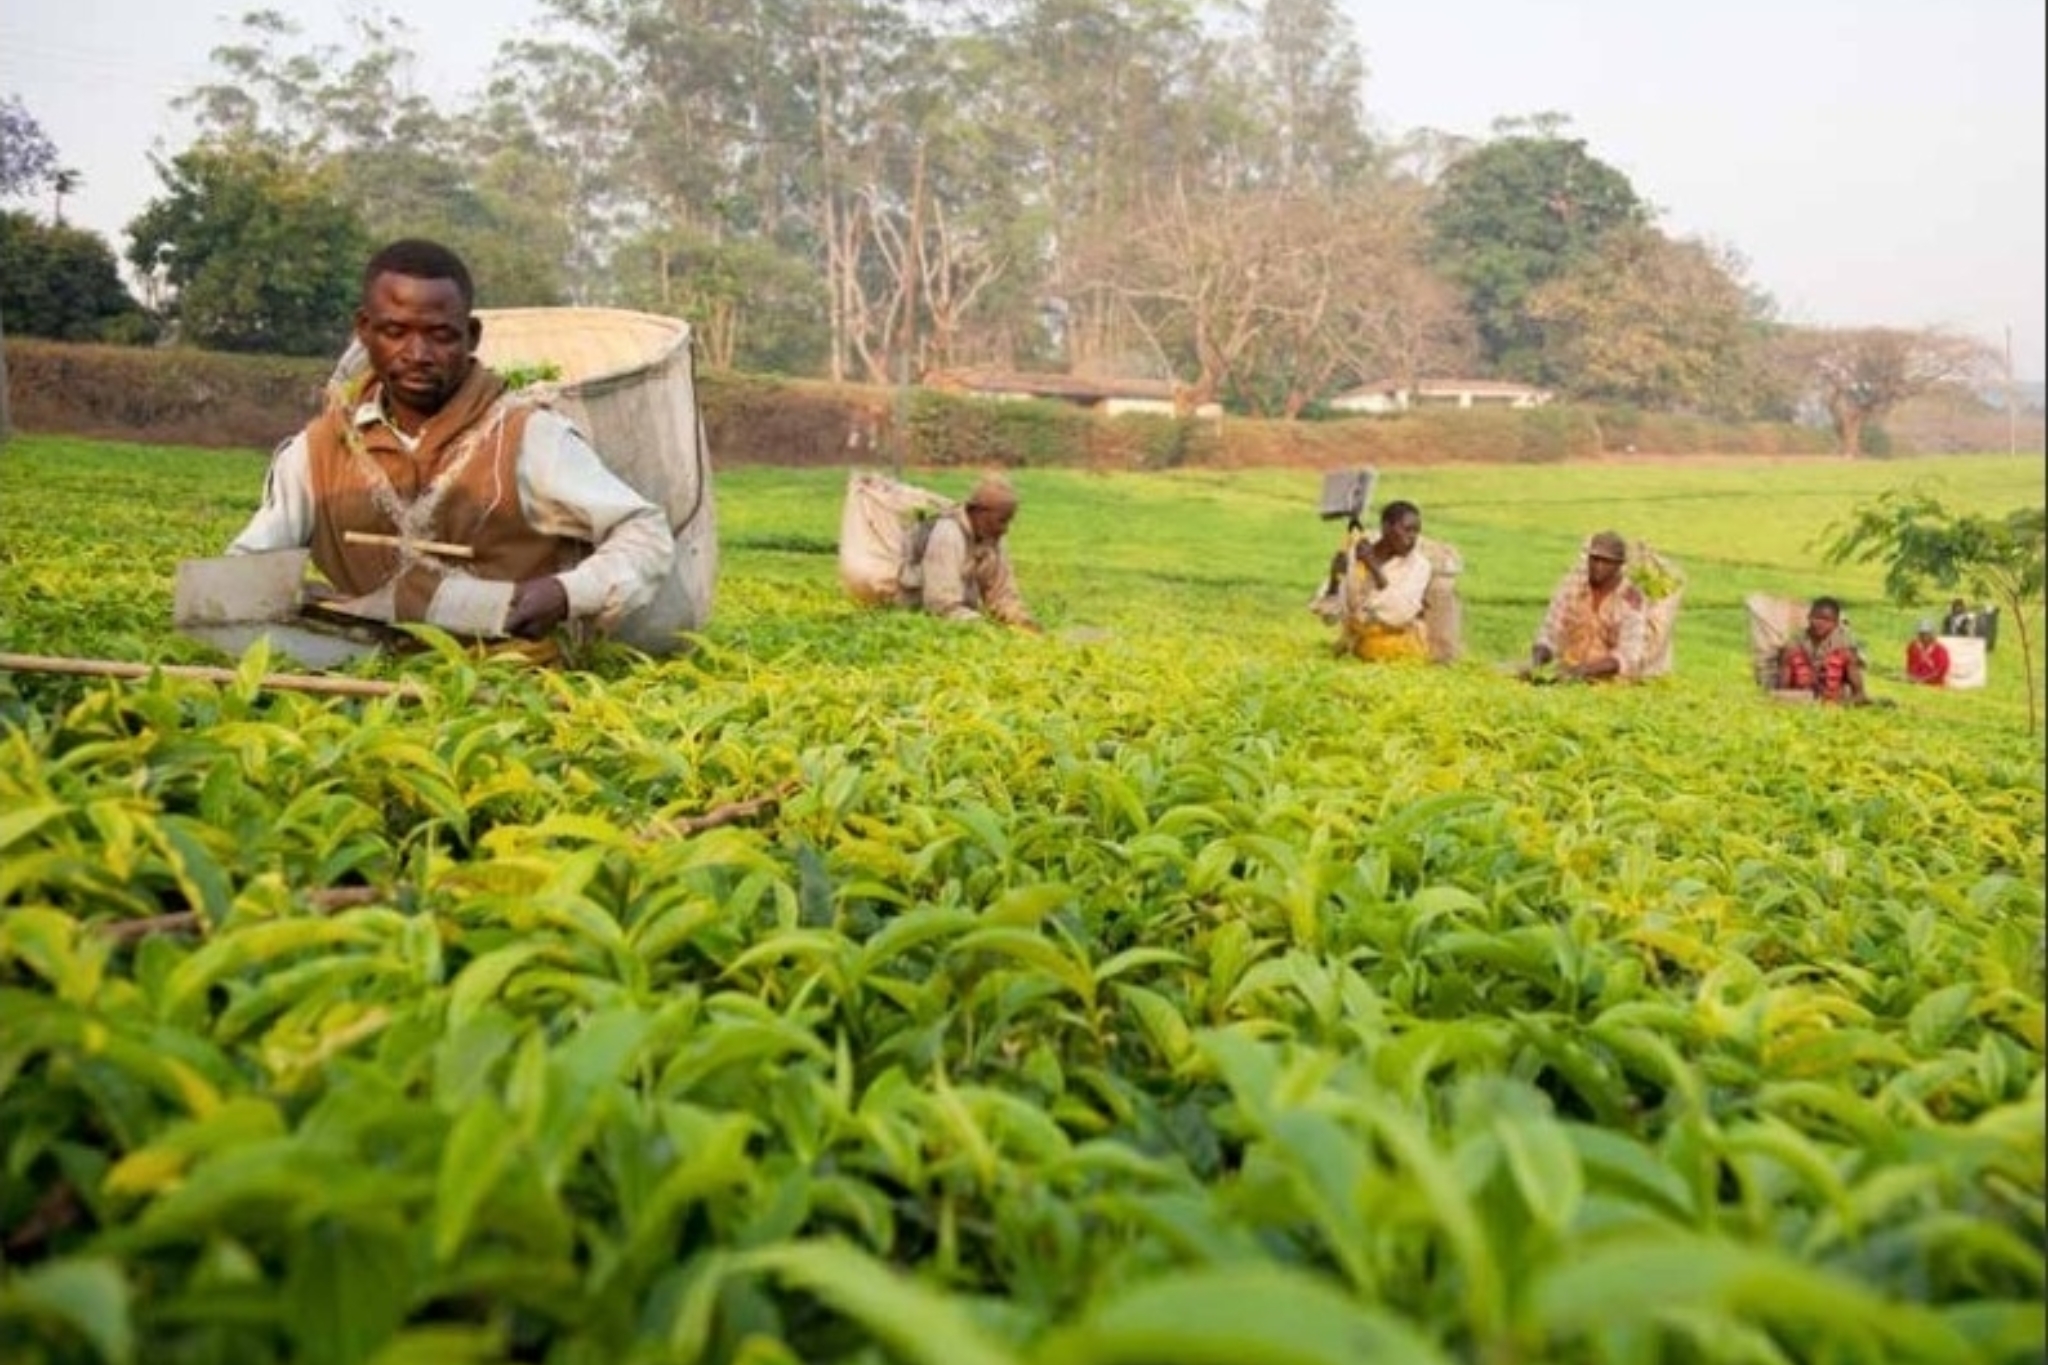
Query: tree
[(1926, 549), (1649, 321), (1520, 212), (1860, 374), (1202, 279), (63, 283), (259, 253), (355, 116), (1301, 123), (27, 156), (1354, 302)]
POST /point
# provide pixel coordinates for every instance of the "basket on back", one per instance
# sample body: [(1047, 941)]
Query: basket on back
[(1662, 584), (626, 381)]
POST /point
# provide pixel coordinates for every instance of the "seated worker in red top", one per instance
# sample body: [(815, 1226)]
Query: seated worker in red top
[(1825, 662), (1926, 657)]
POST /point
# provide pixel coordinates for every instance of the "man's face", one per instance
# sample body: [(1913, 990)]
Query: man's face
[(1398, 537), (419, 336), (1821, 622), (1601, 571), (991, 523)]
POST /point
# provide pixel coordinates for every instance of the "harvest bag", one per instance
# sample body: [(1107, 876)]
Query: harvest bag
[(881, 535)]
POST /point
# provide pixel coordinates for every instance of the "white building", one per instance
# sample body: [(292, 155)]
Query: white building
[(1391, 395)]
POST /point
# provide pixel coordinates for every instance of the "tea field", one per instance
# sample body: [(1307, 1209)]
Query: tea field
[(1161, 991)]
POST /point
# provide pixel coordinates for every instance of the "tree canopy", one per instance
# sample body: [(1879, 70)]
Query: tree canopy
[(1860, 374), (1515, 215), (63, 283), (1179, 190), (254, 253)]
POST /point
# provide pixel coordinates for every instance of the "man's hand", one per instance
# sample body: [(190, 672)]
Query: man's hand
[(1368, 554), (538, 606)]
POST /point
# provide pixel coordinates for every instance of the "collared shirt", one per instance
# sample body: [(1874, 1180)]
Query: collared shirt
[(966, 577), (564, 490), (1578, 631)]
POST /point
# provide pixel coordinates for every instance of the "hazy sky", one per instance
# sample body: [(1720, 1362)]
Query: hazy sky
[(1875, 161)]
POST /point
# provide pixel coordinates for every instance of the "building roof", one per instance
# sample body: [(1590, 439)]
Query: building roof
[(1429, 386), (1073, 388)]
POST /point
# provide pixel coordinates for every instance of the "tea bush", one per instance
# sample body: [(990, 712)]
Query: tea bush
[(859, 987)]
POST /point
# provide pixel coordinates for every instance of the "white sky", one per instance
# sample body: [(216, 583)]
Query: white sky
[(1875, 161)]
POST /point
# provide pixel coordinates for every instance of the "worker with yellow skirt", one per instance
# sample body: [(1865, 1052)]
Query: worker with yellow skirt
[(1383, 590)]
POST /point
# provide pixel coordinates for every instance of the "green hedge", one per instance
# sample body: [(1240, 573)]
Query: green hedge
[(174, 395)]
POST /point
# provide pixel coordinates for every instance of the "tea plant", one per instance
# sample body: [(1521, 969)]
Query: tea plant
[(859, 988)]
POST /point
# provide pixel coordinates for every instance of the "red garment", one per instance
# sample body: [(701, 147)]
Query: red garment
[(1927, 663), (1821, 667)]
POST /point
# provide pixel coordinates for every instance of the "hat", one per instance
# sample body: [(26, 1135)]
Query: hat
[(1608, 545), (1926, 626), (993, 493)]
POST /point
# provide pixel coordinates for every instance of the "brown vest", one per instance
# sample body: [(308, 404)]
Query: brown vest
[(460, 486)]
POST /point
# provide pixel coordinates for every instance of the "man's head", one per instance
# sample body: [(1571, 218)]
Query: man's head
[(1822, 617), (1925, 629), (415, 325), (1606, 553), (1400, 528), (991, 507)]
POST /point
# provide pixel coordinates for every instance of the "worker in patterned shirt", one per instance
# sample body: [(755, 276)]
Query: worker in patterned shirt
[(1597, 624)]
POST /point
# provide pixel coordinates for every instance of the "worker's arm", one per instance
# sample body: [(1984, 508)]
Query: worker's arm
[(1000, 597), (284, 520), (566, 490), (1550, 634)]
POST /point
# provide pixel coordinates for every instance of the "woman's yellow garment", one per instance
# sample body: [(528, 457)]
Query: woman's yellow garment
[(1377, 644)]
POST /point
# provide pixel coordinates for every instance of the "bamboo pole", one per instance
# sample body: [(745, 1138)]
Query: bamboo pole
[(284, 682)]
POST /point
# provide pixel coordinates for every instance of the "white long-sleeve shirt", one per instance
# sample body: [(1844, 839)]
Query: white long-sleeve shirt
[(564, 490)]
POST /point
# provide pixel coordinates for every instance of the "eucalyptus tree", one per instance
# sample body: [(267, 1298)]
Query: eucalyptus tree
[(354, 115), (1114, 104), (1295, 120)]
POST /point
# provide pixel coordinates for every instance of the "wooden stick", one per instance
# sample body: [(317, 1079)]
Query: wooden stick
[(325, 900), (720, 815), (432, 547), (284, 682)]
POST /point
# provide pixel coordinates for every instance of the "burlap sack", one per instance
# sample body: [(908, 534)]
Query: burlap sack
[(877, 533)]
